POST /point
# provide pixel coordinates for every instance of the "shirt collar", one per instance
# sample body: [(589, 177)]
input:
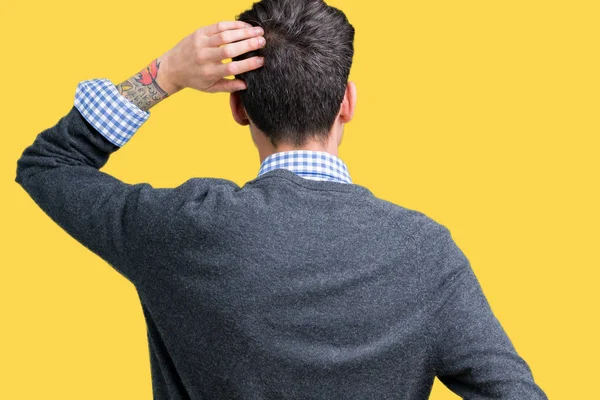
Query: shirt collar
[(309, 164)]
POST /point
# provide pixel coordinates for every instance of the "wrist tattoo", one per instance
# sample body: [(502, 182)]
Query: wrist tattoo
[(142, 89)]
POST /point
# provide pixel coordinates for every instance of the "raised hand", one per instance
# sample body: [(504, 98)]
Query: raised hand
[(197, 60)]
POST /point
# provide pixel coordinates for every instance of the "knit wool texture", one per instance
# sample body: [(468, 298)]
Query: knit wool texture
[(285, 288)]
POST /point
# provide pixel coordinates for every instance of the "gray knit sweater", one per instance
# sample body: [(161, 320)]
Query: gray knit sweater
[(284, 288)]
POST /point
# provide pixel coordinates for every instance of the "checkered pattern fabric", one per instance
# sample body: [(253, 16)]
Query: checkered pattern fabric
[(115, 117), (315, 165)]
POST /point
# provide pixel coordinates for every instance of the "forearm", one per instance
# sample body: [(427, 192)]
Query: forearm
[(149, 86)]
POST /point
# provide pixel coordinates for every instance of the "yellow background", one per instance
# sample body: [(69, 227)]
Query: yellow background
[(483, 115)]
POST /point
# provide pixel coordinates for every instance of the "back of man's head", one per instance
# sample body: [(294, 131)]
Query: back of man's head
[(309, 48)]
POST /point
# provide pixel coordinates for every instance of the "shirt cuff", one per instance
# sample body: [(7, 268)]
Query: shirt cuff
[(107, 110)]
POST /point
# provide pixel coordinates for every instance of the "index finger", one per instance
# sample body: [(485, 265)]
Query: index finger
[(223, 26)]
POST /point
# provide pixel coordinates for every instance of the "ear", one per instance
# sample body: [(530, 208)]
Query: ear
[(348, 104), (237, 109)]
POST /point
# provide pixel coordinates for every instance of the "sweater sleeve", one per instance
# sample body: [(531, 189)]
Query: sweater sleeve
[(128, 225), (475, 357)]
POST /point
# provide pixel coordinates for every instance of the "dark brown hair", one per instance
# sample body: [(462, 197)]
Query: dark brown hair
[(309, 48)]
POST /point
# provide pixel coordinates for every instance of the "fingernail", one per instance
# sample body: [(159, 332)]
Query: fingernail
[(258, 30), (260, 61), (261, 40)]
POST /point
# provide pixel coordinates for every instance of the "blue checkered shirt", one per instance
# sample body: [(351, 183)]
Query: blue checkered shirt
[(117, 119)]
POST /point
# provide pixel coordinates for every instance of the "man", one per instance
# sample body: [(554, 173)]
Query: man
[(298, 285)]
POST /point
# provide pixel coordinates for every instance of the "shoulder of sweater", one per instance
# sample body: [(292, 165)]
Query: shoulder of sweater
[(413, 222)]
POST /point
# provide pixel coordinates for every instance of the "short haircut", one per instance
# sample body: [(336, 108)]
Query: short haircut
[(297, 93)]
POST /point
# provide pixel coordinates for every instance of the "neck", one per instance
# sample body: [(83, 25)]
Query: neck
[(265, 148)]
